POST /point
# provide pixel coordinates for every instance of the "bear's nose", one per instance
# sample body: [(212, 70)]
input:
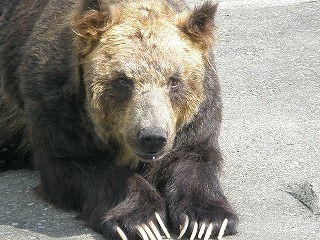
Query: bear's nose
[(152, 140)]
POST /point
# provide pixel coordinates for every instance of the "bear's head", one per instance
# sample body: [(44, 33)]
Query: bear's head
[(143, 68)]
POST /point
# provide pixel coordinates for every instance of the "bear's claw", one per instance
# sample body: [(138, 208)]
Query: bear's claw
[(143, 234), (155, 230), (184, 227), (202, 229), (121, 233), (164, 229), (150, 232), (223, 228)]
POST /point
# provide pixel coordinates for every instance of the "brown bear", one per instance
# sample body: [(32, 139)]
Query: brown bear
[(117, 104)]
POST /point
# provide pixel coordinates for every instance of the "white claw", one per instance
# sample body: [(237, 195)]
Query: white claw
[(164, 229), (155, 230), (208, 232), (194, 231), (121, 233), (149, 232), (222, 229), (184, 227), (142, 233), (201, 231)]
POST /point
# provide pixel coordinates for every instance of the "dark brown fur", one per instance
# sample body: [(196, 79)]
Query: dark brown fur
[(79, 82)]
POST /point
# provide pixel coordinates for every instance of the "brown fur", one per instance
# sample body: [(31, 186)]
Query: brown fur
[(142, 33), (118, 105)]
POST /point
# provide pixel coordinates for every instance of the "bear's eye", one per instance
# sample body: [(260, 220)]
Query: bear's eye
[(119, 91), (174, 83), (124, 82)]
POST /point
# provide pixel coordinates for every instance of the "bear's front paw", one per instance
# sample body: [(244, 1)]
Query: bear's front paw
[(203, 221), (153, 228)]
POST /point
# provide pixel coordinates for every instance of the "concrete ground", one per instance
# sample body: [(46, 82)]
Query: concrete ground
[(268, 60)]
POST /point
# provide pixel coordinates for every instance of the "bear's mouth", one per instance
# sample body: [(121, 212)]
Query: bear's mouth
[(149, 157)]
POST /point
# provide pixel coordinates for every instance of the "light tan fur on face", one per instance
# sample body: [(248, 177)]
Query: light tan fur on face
[(146, 45)]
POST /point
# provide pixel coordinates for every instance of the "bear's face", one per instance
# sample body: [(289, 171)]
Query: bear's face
[(144, 80)]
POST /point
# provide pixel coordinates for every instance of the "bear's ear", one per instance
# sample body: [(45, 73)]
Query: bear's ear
[(199, 24), (92, 20)]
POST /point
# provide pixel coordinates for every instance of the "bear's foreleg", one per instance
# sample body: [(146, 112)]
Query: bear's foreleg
[(74, 176), (195, 201), (130, 206), (107, 199)]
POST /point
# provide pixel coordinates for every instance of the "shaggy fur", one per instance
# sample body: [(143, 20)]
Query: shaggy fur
[(84, 87)]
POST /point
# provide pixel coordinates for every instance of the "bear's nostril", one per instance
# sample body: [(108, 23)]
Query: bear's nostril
[(152, 140), (146, 140)]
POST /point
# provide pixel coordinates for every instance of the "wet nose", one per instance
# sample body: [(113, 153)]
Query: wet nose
[(152, 140)]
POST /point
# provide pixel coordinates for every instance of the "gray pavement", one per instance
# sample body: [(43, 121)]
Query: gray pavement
[(268, 60), (269, 65)]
